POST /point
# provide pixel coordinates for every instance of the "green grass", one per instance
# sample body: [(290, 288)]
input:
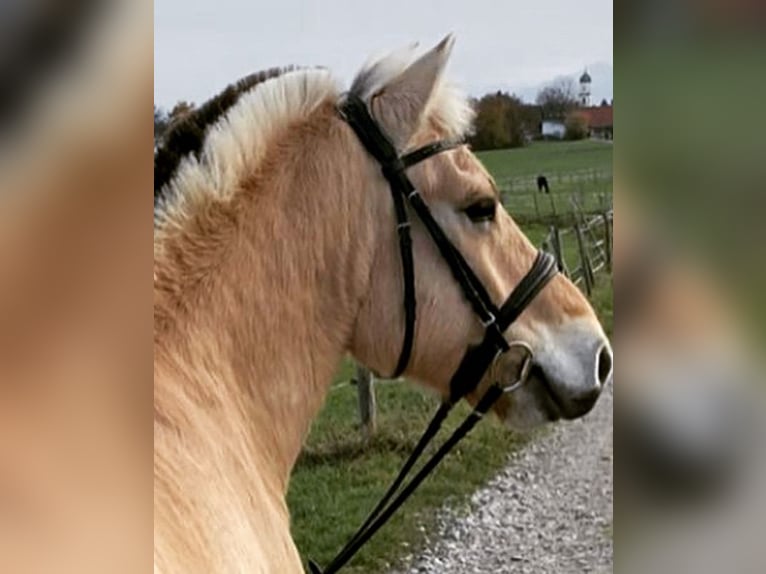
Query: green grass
[(340, 477), (537, 232), (581, 169), (548, 158), (602, 300)]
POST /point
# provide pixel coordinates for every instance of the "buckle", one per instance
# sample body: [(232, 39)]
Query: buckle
[(489, 322), (412, 194)]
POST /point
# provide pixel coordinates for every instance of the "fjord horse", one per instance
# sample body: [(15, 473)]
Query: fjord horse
[(276, 253)]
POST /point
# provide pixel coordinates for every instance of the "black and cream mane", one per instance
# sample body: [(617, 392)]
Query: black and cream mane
[(205, 154), (186, 135)]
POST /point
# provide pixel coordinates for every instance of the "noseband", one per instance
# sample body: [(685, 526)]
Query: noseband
[(495, 320)]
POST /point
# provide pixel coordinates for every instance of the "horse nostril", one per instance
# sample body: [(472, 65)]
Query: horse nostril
[(604, 364)]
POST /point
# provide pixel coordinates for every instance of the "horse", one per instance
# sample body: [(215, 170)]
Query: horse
[(276, 254), (542, 184)]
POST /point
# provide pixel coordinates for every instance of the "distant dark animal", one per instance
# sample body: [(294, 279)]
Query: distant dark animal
[(542, 184)]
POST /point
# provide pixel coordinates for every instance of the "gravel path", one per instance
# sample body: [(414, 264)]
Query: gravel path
[(548, 511)]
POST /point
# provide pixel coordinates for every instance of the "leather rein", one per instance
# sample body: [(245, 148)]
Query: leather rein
[(495, 320)]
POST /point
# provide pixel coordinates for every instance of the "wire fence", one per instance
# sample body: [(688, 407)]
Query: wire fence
[(591, 188)]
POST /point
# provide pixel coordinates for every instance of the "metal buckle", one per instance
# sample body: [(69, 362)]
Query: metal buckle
[(492, 319), (412, 194), (403, 225), (526, 366)]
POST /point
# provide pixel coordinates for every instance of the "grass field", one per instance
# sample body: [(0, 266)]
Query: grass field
[(339, 477), (548, 158), (581, 169)]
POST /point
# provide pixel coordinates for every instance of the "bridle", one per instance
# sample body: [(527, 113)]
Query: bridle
[(477, 359)]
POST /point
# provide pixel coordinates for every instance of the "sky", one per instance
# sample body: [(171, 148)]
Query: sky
[(201, 46)]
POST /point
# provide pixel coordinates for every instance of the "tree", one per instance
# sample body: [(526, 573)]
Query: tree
[(576, 127), (160, 123), (557, 98), (531, 121), (500, 122)]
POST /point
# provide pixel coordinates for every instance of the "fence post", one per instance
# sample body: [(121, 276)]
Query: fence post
[(537, 207), (557, 251), (553, 205), (576, 210), (607, 241), (365, 382), (587, 271)]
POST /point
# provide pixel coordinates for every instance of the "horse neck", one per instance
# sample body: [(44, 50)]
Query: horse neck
[(266, 333)]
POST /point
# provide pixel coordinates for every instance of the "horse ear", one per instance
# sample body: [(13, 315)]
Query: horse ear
[(400, 104)]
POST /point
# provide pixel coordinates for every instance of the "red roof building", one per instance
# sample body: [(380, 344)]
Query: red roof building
[(600, 121)]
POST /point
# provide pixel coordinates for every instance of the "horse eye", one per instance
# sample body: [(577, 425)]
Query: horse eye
[(482, 210)]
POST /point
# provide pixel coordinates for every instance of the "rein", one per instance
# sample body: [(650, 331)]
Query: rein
[(477, 359)]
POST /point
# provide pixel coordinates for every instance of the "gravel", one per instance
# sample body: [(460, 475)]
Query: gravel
[(548, 511)]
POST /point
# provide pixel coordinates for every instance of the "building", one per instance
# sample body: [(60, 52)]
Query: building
[(553, 129), (599, 121)]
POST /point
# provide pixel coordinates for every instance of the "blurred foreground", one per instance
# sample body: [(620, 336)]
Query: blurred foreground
[(689, 277), (75, 287)]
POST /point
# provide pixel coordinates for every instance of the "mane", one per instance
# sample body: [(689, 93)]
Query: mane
[(206, 155), (186, 135)]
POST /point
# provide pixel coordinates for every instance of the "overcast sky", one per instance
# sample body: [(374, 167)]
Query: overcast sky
[(203, 45)]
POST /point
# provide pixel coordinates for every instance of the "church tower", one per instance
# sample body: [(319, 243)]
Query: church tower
[(585, 81)]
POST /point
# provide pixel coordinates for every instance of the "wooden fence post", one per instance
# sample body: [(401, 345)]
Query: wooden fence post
[(365, 382), (557, 250), (576, 210), (553, 204), (607, 242), (587, 271)]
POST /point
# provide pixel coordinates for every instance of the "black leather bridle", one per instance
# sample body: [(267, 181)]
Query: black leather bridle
[(477, 359)]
